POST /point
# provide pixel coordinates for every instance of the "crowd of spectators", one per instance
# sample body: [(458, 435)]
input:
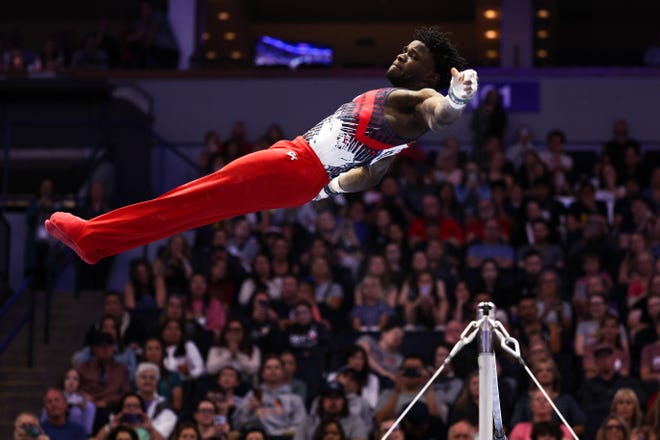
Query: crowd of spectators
[(147, 41), (324, 321)]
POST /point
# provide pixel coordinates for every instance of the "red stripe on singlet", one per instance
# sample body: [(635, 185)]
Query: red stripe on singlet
[(366, 105)]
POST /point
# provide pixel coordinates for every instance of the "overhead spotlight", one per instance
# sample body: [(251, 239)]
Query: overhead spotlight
[(490, 14), (229, 36), (211, 55), (491, 54), (491, 34), (236, 55), (542, 53), (223, 16), (206, 36), (542, 34)]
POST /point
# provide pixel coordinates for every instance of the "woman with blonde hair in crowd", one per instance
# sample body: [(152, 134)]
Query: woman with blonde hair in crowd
[(626, 406), (613, 428)]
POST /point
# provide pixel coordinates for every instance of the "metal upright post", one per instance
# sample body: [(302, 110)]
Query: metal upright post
[(486, 360)]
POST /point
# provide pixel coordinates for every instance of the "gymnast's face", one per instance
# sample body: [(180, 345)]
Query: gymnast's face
[(413, 68)]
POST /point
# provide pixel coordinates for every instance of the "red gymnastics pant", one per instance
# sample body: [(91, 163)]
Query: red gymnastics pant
[(286, 175)]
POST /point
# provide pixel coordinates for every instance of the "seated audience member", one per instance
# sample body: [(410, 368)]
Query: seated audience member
[(419, 424), (81, 410), (144, 289), (541, 412), (596, 393), (447, 386), (173, 264), (102, 378), (26, 426), (613, 428), (357, 360), (591, 266), (123, 355), (224, 391), (610, 332), (56, 425), (626, 405), (465, 361), (384, 426), (254, 434), (649, 365), (290, 367), (310, 343), (211, 424), (169, 384), (424, 302), (384, 354), (180, 355), (123, 433), (373, 311), (162, 417), (329, 429), (175, 309), (235, 349), (207, 311), (492, 246), (289, 297), (132, 332), (546, 372), (333, 405), (546, 431), (357, 405), (412, 376), (132, 413), (466, 406), (272, 405), (186, 431), (586, 331), (261, 278), (462, 430), (262, 324)]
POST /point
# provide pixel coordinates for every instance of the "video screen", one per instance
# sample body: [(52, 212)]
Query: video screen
[(271, 51)]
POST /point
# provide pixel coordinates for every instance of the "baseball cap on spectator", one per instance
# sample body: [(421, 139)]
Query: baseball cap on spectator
[(333, 389), (603, 350), (100, 338)]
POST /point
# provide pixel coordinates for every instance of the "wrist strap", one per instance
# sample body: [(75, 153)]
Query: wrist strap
[(333, 187), (454, 100)]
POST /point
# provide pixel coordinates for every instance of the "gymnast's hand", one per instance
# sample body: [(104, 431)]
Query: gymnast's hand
[(463, 86)]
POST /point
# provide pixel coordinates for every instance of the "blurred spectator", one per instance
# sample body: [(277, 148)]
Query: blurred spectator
[(329, 429), (102, 378), (225, 390), (163, 419), (144, 289), (90, 56), (591, 267), (242, 243), (234, 348), (649, 366), (181, 355), (57, 425), (524, 141), (262, 324), (493, 246), (612, 333), (373, 312), (186, 431), (642, 314), (175, 310), (434, 224), (384, 353), (614, 149), (424, 302), (528, 325), (173, 264), (51, 58), (640, 278), (80, 410), (261, 277), (236, 144), (587, 330), (613, 428), (546, 372), (123, 355), (210, 424), (472, 189), (626, 405), (151, 43), (446, 169), (212, 149), (310, 342), (206, 310), (552, 255), (333, 405), (357, 360), (290, 368), (132, 332), (272, 405), (384, 426), (488, 120), (38, 245), (358, 405), (447, 386), (461, 430), (541, 412), (553, 309), (26, 426), (560, 164), (169, 382), (633, 168), (411, 376), (108, 42), (546, 431), (131, 413), (475, 224)]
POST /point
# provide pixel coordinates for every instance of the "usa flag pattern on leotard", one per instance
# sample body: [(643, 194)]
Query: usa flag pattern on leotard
[(355, 135)]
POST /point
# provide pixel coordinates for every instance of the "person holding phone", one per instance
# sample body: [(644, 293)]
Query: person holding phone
[(131, 413), (26, 427), (211, 424)]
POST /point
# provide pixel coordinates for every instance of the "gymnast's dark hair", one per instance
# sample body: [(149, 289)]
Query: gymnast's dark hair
[(445, 53)]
